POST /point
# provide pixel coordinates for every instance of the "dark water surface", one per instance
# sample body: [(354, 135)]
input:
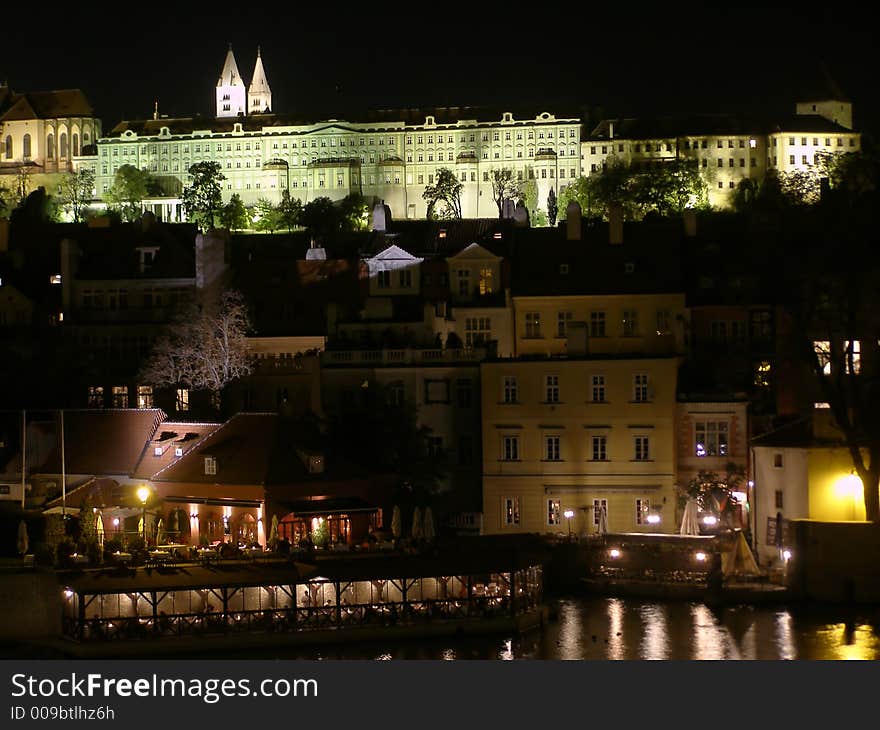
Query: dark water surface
[(617, 628)]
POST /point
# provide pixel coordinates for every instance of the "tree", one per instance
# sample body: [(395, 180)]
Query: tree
[(202, 199), (552, 207), (321, 217), (355, 213), (126, 194), (529, 197), (266, 216), (233, 215), (205, 348), (289, 211), (582, 191), (715, 493), (504, 187), (667, 189), (75, 192), (446, 191), (8, 201)]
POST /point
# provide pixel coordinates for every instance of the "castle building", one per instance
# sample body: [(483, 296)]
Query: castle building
[(389, 155), (44, 133), (393, 155)]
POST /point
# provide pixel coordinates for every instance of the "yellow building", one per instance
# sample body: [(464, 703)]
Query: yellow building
[(575, 435), (798, 476)]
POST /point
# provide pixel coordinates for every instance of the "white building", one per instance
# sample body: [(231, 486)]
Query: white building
[(391, 156)]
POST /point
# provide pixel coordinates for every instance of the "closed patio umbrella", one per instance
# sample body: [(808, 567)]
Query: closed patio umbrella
[(273, 533), (99, 529), (22, 543), (690, 523), (160, 532), (395, 523), (603, 520)]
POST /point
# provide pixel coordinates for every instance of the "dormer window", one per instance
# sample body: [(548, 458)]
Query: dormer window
[(178, 451), (210, 465), (157, 451)]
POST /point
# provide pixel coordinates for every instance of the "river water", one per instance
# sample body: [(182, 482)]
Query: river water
[(616, 628)]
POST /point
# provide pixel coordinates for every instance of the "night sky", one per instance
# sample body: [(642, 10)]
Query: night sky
[(324, 65)]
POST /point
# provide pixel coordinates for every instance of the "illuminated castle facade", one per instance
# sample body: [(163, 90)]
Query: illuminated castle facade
[(395, 155)]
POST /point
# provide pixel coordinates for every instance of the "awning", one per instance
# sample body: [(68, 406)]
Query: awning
[(328, 506)]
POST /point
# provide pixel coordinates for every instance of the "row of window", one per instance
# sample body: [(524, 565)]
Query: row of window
[(641, 392), (9, 146), (511, 448), (119, 397), (629, 323), (511, 511)]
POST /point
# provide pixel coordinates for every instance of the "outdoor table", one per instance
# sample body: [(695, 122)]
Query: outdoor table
[(252, 553), (177, 550), (122, 558), (159, 556), (206, 555)]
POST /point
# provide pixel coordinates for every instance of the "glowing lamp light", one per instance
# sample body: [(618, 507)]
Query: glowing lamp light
[(849, 485), (68, 593), (700, 556), (115, 522), (614, 553), (143, 494), (568, 514), (710, 520), (786, 555), (653, 519)]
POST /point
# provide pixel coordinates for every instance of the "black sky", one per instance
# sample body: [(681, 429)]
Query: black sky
[(328, 61)]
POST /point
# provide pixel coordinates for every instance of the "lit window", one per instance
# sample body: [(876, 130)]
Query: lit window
[(710, 438), (157, 451), (210, 465), (643, 506), (182, 399), (510, 511), (120, 396), (55, 279), (853, 354), (145, 396), (554, 512), (822, 348), (178, 451), (599, 506)]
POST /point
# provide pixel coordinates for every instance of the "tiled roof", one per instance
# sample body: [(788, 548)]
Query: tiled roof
[(168, 437), (99, 442), (47, 105), (647, 262)]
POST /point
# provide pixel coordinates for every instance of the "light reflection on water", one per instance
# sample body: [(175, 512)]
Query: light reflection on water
[(615, 628)]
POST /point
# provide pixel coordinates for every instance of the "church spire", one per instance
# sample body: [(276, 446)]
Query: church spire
[(230, 89), (259, 93)]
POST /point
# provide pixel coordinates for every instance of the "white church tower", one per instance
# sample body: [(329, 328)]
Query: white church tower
[(259, 93), (230, 89)]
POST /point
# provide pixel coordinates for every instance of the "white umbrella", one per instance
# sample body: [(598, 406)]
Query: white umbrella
[(395, 522), (603, 520), (273, 533), (160, 532), (99, 529), (417, 524), (22, 543), (690, 523), (429, 524)]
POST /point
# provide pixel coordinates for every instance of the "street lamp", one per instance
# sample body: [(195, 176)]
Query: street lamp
[(143, 494), (568, 514)]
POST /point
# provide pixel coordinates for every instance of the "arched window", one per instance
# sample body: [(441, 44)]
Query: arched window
[(86, 137), (50, 146), (8, 147), (75, 140), (26, 146), (62, 145)]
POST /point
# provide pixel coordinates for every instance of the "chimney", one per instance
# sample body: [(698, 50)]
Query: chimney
[(156, 110), (690, 222), (615, 224), (573, 221), (610, 130)]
